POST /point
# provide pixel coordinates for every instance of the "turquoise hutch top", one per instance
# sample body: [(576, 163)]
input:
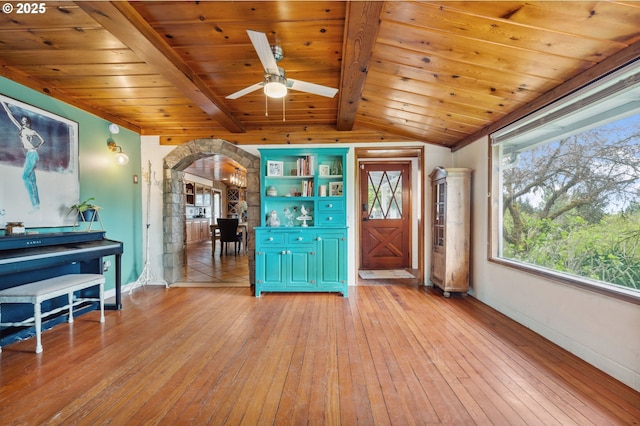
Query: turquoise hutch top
[(301, 245)]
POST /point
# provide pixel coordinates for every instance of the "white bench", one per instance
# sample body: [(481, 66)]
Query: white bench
[(39, 291)]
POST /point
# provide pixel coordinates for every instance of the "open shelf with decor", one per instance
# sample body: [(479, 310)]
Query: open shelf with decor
[(302, 241)]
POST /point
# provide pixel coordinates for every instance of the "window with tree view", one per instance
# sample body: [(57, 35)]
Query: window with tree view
[(567, 188)]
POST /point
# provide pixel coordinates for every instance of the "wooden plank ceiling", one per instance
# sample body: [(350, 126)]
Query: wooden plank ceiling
[(437, 72)]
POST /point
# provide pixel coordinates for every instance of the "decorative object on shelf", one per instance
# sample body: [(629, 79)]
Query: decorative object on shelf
[(305, 216), (273, 220), (15, 228), (323, 190), (335, 189), (324, 170), (274, 168), (289, 216), (272, 191), (336, 169)]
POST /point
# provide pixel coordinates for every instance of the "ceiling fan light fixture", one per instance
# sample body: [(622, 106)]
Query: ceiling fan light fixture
[(275, 86)]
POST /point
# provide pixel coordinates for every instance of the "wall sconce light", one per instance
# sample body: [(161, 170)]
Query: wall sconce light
[(121, 157)]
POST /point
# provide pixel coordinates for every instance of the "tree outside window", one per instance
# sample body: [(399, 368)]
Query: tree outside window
[(566, 185)]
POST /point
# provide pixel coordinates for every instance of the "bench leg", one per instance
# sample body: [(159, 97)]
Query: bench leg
[(70, 307), (101, 302), (37, 315)]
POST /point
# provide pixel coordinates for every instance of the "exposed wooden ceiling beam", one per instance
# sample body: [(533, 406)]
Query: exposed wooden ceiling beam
[(275, 135), (361, 29), (124, 22)]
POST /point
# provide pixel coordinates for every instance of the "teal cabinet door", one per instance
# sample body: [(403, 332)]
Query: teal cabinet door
[(332, 264), (301, 268), (274, 268), (270, 271)]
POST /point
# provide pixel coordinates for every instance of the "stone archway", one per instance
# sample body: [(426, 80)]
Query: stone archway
[(174, 200)]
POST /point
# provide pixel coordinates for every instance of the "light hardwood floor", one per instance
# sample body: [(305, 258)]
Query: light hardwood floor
[(385, 355)]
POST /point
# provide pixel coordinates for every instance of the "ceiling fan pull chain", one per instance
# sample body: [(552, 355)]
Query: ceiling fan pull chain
[(266, 106), (283, 109)]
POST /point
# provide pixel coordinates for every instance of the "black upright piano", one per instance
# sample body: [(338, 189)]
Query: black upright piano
[(34, 257)]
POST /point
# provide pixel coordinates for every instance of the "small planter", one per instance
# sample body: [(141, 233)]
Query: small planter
[(87, 215)]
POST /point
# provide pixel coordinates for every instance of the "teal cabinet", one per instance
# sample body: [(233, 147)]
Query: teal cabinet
[(304, 260), (301, 245)]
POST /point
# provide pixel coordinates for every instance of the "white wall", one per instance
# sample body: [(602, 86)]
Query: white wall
[(602, 330), (151, 151)]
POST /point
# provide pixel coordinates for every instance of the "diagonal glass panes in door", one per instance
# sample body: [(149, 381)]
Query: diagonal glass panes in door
[(385, 194)]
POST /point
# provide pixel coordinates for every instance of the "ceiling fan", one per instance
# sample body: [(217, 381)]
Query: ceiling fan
[(275, 83)]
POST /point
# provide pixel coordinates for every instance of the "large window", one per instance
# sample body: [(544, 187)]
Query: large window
[(566, 188)]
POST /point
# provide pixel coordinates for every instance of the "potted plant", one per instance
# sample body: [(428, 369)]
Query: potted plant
[(85, 210)]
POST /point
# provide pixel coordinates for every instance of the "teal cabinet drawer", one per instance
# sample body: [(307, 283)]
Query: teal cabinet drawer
[(270, 237), (330, 205), (331, 219), (299, 238)]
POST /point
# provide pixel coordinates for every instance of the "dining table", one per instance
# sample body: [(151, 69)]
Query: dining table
[(242, 227)]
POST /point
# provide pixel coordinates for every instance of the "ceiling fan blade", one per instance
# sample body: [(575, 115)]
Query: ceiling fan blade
[(245, 91), (263, 49), (316, 89)]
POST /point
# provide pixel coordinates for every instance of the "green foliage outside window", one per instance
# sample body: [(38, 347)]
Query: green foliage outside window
[(572, 205)]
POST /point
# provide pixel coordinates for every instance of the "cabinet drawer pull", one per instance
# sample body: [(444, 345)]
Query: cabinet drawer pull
[(270, 238), (330, 205), (329, 218), (319, 239), (283, 252), (299, 238)]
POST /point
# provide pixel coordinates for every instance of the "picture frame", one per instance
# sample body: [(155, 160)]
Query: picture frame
[(324, 170), (274, 168), (39, 165), (335, 189)]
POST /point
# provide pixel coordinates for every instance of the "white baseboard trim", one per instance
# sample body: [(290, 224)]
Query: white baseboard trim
[(111, 293)]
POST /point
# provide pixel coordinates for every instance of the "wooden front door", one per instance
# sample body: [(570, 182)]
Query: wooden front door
[(385, 190)]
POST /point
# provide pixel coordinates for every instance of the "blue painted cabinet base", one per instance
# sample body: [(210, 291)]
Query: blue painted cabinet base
[(301, 260)]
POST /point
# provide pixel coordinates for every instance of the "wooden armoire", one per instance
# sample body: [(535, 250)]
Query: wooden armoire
[(451, 229)]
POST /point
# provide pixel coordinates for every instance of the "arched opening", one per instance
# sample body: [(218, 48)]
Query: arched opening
[(174, 200)]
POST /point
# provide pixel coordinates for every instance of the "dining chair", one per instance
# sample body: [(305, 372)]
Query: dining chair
[(215, 235), (229, 234)]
